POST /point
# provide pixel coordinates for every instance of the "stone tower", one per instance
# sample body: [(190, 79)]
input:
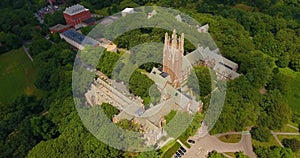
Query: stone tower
[(172, 57)]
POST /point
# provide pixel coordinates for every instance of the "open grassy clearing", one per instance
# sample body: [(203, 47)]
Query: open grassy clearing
[(230, 154), (170, 152), (286, 128), (271, 142), (281, 137), (17, 76), (184, 141), (293, 94), (168, 146)]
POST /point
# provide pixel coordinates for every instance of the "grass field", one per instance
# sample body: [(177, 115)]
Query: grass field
[(271, 142), (230, 154), (293, 94), (184, 141), (170, 152), (233, 138), (17, 76), (280, 137), (286, 128), (168, 146)]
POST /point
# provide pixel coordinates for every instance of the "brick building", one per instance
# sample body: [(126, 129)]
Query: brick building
[(59, 28), (76, 14)]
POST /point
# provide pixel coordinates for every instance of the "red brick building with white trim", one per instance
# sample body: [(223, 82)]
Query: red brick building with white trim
[(76, 14)]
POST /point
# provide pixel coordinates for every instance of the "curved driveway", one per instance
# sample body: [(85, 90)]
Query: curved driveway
[(208, 143)]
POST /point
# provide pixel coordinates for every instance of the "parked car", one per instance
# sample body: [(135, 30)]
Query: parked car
[(191, 141), (182, 149), (178, 154), (181, 152)]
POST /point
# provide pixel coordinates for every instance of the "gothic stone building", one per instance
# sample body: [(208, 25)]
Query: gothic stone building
[(172, 57), (178, 67)]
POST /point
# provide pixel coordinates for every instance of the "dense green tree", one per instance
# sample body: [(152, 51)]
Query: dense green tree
[(86, 30), (289, 38), (55, 18), (129, 125), (141, 85), (283, 61), (152, 154), (257, 68), (214, 154), (275, 113), (83, 144), (170, 116), (240, 155), (200, 82), (293, 144), (107, 62), (242, 101), (273, 152), (281, 82), (268, 26), (43, 127), (55, 37), (144, 35), (16, 131), (295, 62), (296, 117), (39, 45), (149, 66), (8, 41), (109, 110), (48, 65), (22, 18), (261, 133)]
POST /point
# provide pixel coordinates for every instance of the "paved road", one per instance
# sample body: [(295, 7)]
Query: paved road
[(287, 133), (283, 133), (276, 138), (293, 127), (208, 143), (247, 145)]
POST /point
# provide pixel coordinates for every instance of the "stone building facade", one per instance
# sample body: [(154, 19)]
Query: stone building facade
[(172, 57)]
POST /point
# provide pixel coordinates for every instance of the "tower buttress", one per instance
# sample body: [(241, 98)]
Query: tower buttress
[(172, 57), (174, 40), (182, 42)]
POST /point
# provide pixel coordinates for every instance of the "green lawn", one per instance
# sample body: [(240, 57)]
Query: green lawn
[(233, 138), (280, 137), (17, 76), (184, 141), (286, 128), (293, 94), (168, 146), (271, 142), (230, 154), (171, 151)]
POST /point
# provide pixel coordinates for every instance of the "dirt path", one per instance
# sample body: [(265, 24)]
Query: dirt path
[(27, 53)]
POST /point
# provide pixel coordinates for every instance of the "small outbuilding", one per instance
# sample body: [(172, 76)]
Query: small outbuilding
[(127, 11)]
